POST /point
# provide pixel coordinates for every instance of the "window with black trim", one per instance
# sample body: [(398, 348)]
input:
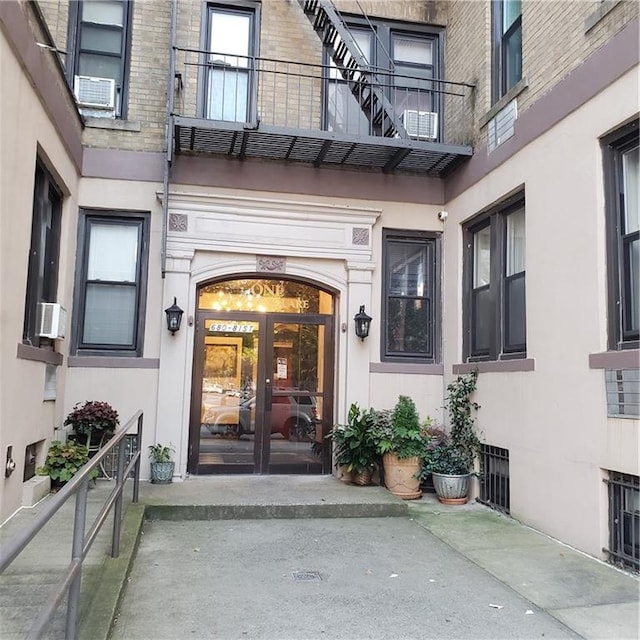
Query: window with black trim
[(406, 55), (231, 42), (42, 278), (411, 304), (506, 19), (111, 290), (495, 308), (99, 50), (622, 176)]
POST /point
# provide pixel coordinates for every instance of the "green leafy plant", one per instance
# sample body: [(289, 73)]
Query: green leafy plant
[(461, 408), (93, 417), (161, 453), (63, 461), (400, 431), (355, 442)]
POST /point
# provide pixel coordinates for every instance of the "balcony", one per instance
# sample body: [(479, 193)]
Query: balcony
[(250, 107)]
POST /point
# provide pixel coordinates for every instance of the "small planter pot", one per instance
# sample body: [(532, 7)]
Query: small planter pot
[(451, 489), (162, 472), (401, 476), (363, 478)]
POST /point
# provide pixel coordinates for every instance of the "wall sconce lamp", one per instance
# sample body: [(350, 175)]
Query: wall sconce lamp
[(363, 323), (174, 317)]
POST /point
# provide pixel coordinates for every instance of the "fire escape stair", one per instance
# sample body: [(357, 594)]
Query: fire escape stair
[(365, 85)]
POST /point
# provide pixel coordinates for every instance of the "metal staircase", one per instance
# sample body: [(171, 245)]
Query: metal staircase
[(365, 85)]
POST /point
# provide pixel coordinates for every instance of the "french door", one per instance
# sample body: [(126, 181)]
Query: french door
[(262, 393)]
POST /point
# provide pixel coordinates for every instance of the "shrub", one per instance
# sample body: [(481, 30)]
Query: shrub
[(63, 461), (93, 417)]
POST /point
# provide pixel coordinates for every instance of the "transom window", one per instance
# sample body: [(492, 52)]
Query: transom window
[(495, 308), (410, 265)]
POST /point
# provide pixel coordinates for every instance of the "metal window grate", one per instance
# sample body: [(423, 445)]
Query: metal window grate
[(624, 519), (494, 477), (109, 465), (623, 392)]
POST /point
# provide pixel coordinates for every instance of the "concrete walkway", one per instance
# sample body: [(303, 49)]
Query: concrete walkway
[(286, 557)]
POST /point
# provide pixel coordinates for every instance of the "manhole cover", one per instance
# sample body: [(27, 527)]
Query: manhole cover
[(307, 576)]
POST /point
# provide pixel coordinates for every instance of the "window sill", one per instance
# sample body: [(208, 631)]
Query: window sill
[(113, 362), (514, 92), (601, 11), (37, 354), (112, 124), (406, 367), (495, 366), (627, 359)]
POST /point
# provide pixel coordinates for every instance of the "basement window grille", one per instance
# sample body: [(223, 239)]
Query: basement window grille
[(494, 477), (623, 392), (624, 519)]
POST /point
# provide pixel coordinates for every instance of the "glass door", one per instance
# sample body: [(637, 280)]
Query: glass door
[(262, 391)]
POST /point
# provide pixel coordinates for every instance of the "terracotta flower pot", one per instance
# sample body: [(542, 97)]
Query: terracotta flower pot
[(401, 476)]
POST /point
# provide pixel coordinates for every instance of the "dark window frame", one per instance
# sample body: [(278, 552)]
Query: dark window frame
[(44, 252), (431, 241), (74, 50), (498, 347), (113, 217), (500, 83), (383, 54), (614, 145), (239, 7)]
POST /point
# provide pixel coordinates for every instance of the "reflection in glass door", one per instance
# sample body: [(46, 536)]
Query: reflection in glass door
[(262, 379)]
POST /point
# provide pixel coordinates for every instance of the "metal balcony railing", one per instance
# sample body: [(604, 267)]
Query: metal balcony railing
[(296, 111)]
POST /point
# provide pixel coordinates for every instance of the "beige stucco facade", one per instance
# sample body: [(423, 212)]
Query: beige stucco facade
[(549, 410)]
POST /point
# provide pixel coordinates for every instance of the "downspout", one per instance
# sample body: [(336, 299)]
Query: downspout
[(168, 133)]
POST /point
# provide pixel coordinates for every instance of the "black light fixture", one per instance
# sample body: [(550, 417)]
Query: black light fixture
[(174, 317), (363, 323)]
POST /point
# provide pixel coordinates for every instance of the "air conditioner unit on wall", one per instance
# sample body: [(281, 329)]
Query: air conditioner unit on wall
[(95, 93), (51, 320), (420, 124)]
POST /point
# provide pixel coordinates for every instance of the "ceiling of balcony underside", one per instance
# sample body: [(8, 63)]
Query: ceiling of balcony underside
[(320, 148)]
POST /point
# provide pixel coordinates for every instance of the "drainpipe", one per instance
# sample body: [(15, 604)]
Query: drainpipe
[(168, 133)]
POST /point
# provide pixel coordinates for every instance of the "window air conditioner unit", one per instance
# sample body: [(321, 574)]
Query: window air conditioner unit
[(51, 320), (95, 93), (420, 124)]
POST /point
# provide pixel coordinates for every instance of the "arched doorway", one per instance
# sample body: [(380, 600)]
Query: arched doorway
[(262, 393)]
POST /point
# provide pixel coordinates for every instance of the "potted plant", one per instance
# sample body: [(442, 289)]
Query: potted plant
[(63, 460), (451, 463), (161, 463), (401, 442), (94, 422), (355, 445)]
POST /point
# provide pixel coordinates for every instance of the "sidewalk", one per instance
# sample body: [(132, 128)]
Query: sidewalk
[(286, 558)]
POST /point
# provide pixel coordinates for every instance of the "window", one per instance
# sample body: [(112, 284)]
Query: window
[(507, 45), (495, 317), (99, 31), (622, 176), (407, 56), (229, 64), (494, 477), (42, 278), (624, 519), (411, 304), (110, 294)]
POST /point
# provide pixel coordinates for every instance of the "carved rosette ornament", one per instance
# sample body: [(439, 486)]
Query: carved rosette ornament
[(360, 236), (178, 222)]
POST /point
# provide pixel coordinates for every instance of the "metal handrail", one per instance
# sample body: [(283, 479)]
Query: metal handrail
[(82, 542)]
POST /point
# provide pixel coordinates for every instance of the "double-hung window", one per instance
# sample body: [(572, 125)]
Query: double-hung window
[(621, 153), (495, 309), (99, 33), (229, 66), (42, 278), (507, 45), (411, 300), (405, 57), (111, 290)]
